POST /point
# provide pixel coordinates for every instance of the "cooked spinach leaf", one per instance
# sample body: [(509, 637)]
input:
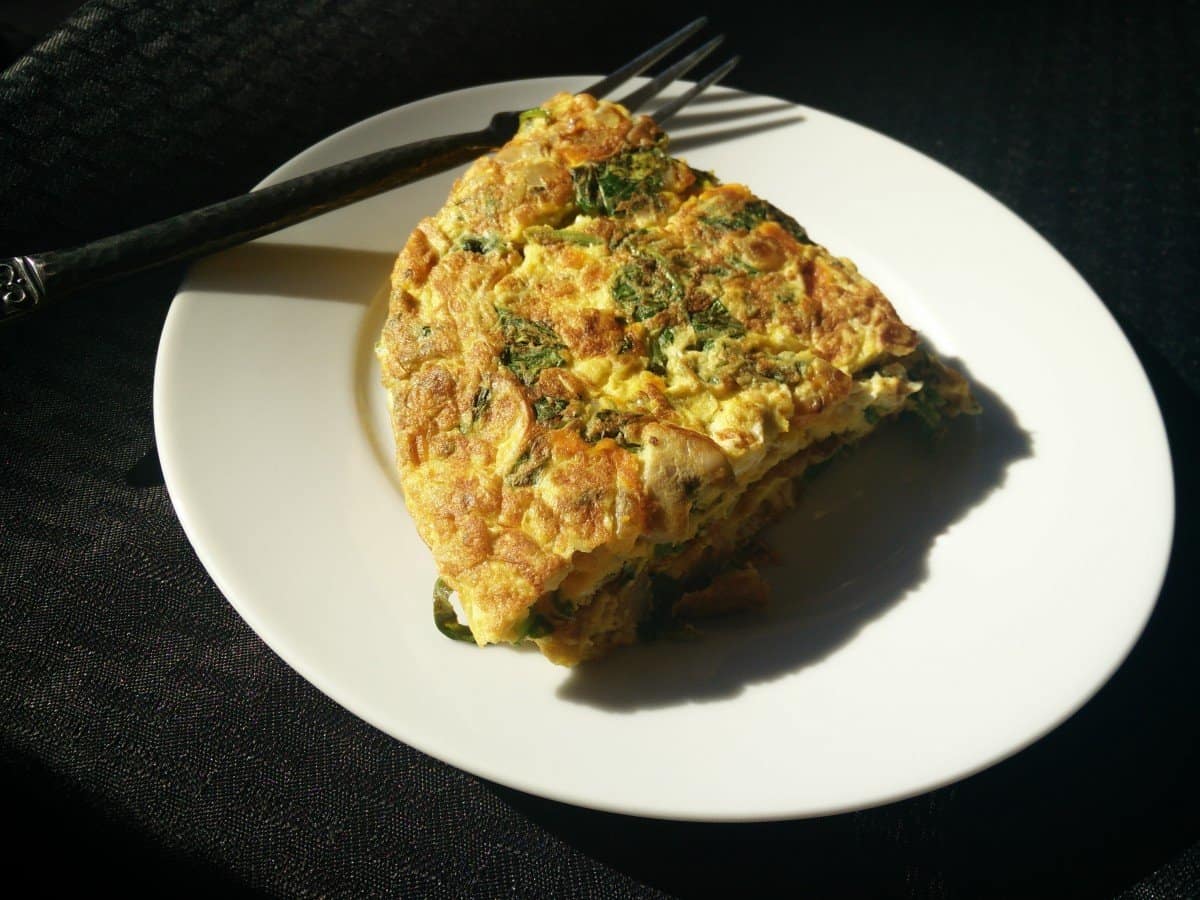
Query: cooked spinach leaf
[(547, 409), (610, 423), (529, 346), (530, 114), (563, 607), (483, 397), (658, 351), (535, 626), (755, 213), (703, 179), (620, 183), (474, 243), (527, 362), (714, 321), (927, 404), (527, 470), (784, 367), (444, 616), (645, 287), (479, 404)]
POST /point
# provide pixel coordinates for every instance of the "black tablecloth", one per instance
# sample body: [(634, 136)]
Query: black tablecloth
[(149, 739)]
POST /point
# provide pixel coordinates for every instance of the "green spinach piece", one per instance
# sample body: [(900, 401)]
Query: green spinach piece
[(621, 183), (483, 397), (529, 348), (714, 321), (645, 287), (785, 368), (658, 351), (535, 626), (610, 423), (547, 409), (530, 114), (754, 213), (927, 404), (444, 616), (474, 243), (563, 607), (527, 470)]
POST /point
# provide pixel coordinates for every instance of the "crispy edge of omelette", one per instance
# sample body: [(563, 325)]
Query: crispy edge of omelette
[(557, 534)]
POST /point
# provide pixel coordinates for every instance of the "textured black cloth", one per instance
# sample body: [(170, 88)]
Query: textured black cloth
[(150, 740)]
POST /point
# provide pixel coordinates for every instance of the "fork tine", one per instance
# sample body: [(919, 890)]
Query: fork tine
[(671, 107), (632, 101), (643, 61)]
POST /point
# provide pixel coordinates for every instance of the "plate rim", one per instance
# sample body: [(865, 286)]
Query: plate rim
[(295, 658)]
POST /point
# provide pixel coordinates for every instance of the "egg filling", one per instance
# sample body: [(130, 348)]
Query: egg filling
[(608, 371)]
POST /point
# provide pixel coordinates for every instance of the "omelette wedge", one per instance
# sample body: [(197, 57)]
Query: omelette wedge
[(607, 371)]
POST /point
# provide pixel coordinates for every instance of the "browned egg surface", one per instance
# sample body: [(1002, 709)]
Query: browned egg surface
[(607, 370)]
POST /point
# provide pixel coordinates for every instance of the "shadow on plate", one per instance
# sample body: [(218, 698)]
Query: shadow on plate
[(721, 96), (686, 141), (686, 120), (854, 546), (295, 270), (713, 109)]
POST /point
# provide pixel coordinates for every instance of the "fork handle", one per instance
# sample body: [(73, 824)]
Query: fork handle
[(29, 283)]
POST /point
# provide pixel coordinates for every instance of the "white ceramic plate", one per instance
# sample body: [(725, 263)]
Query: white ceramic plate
[(926, 623)]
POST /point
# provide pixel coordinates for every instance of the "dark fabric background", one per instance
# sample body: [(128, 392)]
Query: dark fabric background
[(150, 741)]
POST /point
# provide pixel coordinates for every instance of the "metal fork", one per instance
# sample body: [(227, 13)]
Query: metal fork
[(29, 283)]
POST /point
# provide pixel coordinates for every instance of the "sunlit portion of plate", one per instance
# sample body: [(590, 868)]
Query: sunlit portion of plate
[(937, 607)]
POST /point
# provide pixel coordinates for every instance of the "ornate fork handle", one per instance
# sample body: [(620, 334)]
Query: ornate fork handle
[(29, 283), (21, 289)]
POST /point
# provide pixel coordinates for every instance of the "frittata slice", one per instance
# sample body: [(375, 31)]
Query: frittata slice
[(607, 371)]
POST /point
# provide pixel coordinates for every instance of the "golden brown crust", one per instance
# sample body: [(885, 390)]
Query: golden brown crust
[(594, 352)]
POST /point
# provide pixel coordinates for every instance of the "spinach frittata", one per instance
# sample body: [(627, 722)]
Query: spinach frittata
[(606, 372)]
